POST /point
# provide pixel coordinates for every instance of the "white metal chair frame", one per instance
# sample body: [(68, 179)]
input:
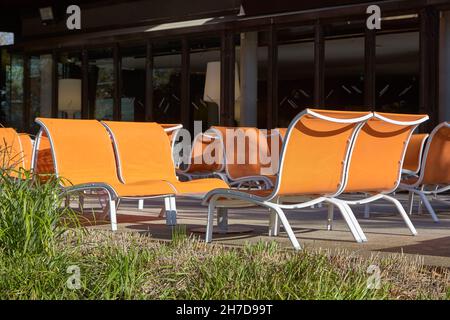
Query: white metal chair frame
[(419, 189), (407, 172), (113, 197), (385, 195), (276, 204)]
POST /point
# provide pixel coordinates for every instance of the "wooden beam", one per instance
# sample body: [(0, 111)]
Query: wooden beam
[(85, 113), (148, 112), (117, 68), (185, 85), (272, 79), (26, 93), (429, 64), (54, 84), (231, 78), (224, 80), (319, 66), (369, 69)]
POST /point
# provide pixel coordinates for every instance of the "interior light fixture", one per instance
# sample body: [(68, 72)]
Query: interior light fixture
[(46, 14)]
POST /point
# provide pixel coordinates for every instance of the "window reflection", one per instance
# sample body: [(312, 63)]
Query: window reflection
[(101, 84), (133, 83), (69, 85), (167, 82), (40, 88)]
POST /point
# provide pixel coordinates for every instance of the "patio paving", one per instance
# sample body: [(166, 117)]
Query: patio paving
[(385, 230)]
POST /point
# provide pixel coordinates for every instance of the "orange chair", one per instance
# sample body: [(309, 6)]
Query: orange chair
[(12, 157), (27, 148), (414, 153), (206, 158), (83, 155), (377, 159), (434, 171), (244, 148), (138, 160), (313, 165), (42, 162)]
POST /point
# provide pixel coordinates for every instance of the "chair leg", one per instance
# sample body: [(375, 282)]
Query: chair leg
[(287, 227), (210, 221), (141, 204), (330, 217), (81, 201), (402, 213), (351, 221), (171, 211), (410, 202), (428, 206), (274, 224), (112, 214), (222, 220), (367, 211)]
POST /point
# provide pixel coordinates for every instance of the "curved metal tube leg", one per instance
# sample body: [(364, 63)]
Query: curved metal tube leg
[(330, 217), (287, 228), (367, 211), (402, 213), (141, 204), (352, 223), (428, 206), (112, 214), (210, 221), (171, 211), (274, 225), (410, 202)]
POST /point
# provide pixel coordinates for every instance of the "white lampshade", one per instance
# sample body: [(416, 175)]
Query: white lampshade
[(69, 95), (212, 82)]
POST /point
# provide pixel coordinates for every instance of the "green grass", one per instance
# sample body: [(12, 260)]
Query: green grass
[(31, 215), (39, 249), (130, 266)]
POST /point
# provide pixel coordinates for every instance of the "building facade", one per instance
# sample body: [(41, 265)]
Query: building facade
[(233, 62)]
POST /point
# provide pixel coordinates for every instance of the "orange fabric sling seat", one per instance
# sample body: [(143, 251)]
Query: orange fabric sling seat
[(143, 152), (83, 153), (84, 157), (312, 170), (27, 147), (377, 157), (434, 171), (414, 152), (206, 156), (243, 148), (12, 157)]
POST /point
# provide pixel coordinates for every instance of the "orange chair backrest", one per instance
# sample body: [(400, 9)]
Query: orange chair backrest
[(171, 129), (44, 159), (315, 152), (11, 152), (27, 147), (143, 151), (82, 150), (436, 163), (207, 154), (243, 148), (414, 152), (378, 153)]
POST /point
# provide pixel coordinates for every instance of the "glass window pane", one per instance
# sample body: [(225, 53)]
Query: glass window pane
[(295, 72), (12, 91), (133, 83), (101, 84), (344, 74), (203, 51), (397, 72), (69, 85), (167, 81), (40, 88)]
